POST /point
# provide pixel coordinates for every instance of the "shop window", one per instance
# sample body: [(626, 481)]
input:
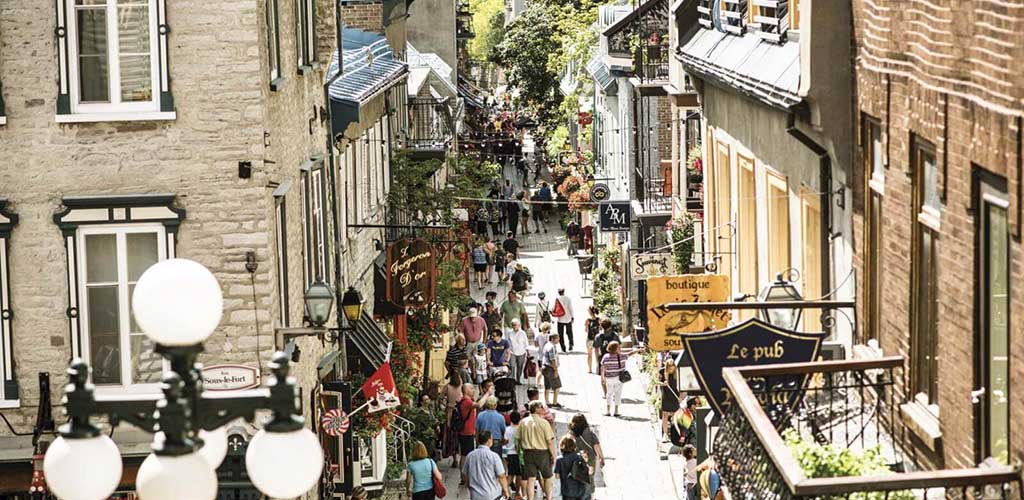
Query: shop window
[(924, 304)]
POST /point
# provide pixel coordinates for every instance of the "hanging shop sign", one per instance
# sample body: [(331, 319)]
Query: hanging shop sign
[(230, 377), (411, 272), (615, 215), (334, 422), (753, 342), (599, 192), (648, 265), (667, 328)]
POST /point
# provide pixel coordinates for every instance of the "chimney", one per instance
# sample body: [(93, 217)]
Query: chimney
[(367, 15)]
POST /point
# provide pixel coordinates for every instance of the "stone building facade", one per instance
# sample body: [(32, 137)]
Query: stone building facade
[(937, 220), (208, 144)]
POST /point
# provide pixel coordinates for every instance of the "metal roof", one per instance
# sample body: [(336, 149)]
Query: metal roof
[(764, 70), (369, 66)]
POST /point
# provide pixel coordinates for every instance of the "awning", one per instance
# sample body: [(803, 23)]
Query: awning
[(370, 67), (764, 70), (602, 77), (369, 340), (473, 95)]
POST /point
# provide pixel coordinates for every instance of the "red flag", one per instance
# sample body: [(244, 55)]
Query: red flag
[(380, 390)]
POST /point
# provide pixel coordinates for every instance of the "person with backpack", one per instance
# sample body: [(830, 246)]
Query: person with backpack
[(572, 235), (573, 472), (546, 199), (593, 327), (537, 210), (543, 309), (511, 245), (564, 317), (479, 255), (589, 447), (520, 279)]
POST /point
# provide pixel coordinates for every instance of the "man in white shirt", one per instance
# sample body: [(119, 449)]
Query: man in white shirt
[(519, 340), (564, 320)]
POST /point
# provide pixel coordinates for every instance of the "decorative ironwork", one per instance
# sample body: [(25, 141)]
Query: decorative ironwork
[(847, 404), (430, 124), (643, 36)]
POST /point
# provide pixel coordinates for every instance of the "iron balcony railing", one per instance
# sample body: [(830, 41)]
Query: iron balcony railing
[(849, 404), (430, 124)]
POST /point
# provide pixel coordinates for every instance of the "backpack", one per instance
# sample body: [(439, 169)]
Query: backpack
[(559, 309), (458, 421), (579, 471)]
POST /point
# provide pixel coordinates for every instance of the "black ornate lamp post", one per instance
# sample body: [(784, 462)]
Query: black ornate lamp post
[(178, 304), (784, 291)]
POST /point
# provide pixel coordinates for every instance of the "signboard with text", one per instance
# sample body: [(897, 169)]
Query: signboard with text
[(411, 272), (753, 342), (647, 265), (667, 328), (230, 377), (615, 216)]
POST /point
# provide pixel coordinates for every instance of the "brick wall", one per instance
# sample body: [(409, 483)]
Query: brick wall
[(363, 14), (972, 125)]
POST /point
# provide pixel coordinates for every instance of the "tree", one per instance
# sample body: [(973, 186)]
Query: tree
[(489, 26), (529, 42)]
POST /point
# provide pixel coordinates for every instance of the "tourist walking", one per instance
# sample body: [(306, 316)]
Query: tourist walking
[(547, 200), (491, 314), (690, 486), (564, 317), (549, 369), (524, 210), (537, 210), (482, 218), (543, 309), (589, 447), (453, 394), (607, 336), (520, 279), (499, 264), (492, 421), (537, 440), (669, 396), (593, 328), (464, 422), (473, 328), (615, 373), (533, 394), (513, 308), (498, 351), (511, 245), (490, 247), (512, 213), (513, 463), (496, 217), (573, 472), (422, 472), (457, 359), (572, 236), (479, 255), (519, 342), (483, 471)]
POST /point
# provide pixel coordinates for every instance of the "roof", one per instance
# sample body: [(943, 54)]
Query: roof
[(420, 66), (369, 340), (764, 70), (633, 14), (602, 77), (369, 66), (473, 95)]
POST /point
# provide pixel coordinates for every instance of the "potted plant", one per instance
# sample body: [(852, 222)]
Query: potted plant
[(680, 232), (694, 165)]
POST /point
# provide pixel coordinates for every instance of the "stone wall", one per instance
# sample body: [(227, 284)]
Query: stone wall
[(974, 128), (363, 14)]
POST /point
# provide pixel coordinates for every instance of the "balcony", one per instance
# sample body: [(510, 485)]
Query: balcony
[(463, 10), (431, 128), (852, 405), (464, 29)]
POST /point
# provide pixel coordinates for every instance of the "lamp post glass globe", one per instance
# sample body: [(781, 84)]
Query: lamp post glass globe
[(215, 446), (82, 468), (177, 302), (319, 300), (164, 477), (781, 290), (352, 304), (284, 464)]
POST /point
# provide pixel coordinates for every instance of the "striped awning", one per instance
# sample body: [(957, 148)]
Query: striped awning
[(369, 67)]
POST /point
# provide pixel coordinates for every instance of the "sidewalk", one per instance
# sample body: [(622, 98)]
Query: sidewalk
[(634, 467)]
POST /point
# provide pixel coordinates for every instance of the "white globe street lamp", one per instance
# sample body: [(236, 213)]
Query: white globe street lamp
[(178, 304)]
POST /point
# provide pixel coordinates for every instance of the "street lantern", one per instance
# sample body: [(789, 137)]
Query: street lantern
[(178, 304), (781, 290), (352, 305), (319, 300)]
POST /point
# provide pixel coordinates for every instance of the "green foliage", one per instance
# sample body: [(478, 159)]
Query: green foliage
[(830, 460), (680, 230), (528, 43), (489, 26), (649, 360), (606, 293), (611, 257), (413, 194)]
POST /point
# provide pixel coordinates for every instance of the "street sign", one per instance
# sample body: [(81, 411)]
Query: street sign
[(230, 377), (599, 192), (411, 272), (666, 329), (616, 216), (753, 342)]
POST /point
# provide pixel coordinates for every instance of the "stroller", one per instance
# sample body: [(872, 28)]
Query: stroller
[(505, 391)]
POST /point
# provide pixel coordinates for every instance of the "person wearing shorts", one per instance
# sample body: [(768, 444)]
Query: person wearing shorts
[(467, 413), (537, 440)]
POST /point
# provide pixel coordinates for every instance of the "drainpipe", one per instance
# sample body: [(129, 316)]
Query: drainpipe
[(335, 209), (825, 176)]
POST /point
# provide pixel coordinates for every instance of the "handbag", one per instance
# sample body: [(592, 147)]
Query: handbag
[(559, 310), (530, 369), (624, 375), (439, 490)]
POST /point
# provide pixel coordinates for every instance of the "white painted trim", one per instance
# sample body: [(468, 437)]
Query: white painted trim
[(123, 116), (3, 120), (877, 184), (8, 404)]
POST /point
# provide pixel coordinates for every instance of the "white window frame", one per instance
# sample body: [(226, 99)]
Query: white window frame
[(281, 244), (305, 34), (319, 225), (7, 375), (115, 109), (120, 230), (273, 15)]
